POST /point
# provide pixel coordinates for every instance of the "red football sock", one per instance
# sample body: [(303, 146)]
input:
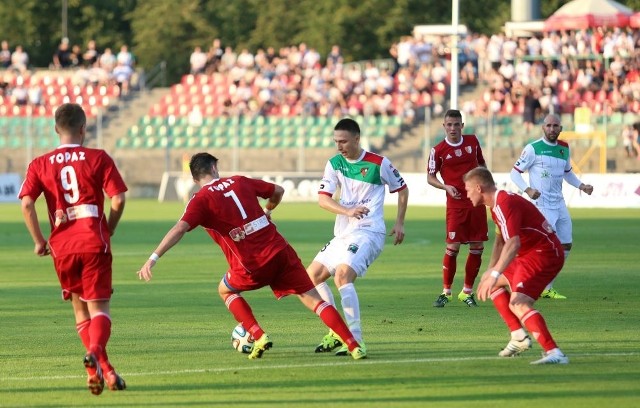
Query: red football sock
[(99, 333), (471, 269), (449, 265), (500, 299), (333, 320), (535, 324), (83, 332), (242, 312)]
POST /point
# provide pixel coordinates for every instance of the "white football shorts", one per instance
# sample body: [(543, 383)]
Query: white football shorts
[(358, 250)]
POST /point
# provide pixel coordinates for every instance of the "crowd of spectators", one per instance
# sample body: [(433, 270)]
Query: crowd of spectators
[(528, 76), (88, 67), (558, 72)]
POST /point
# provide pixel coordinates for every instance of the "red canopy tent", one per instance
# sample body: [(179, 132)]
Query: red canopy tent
[(634, 20), (582, 14)]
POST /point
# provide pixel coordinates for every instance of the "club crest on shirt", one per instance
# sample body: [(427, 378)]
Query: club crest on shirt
[(468, 149), (452, 234), (364, 171), (458, 152), (353, 248)]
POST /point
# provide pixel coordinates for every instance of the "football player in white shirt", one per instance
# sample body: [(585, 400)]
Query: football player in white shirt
[(548, 162)]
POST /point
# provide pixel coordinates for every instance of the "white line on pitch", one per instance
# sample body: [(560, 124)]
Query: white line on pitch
[(290, 366)]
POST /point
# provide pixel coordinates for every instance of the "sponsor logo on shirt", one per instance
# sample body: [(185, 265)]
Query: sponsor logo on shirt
[(353, 248)]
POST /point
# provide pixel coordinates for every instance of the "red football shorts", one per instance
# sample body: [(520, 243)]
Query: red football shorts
[(466, 225), (284, 273), (88, 275), (531, 273)]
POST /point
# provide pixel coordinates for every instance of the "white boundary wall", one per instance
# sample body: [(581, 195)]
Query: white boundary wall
[(609, 190)]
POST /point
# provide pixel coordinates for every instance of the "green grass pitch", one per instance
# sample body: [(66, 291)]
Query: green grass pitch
[(171, 336)]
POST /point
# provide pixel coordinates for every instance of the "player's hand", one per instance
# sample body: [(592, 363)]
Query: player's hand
[(453, 192), (358, 212), (487, 282), (587, 188), (398, 231), (41, 249), (532, 193), (145, 273)]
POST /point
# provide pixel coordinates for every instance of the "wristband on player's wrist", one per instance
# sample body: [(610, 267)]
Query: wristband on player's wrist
[(495, 274), (154, 257)]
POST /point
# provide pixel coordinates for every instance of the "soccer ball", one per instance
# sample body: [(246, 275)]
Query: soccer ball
[(241, 339)]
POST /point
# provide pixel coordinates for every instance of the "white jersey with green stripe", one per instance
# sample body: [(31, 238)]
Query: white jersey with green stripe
[(361, 183), (547, 164)]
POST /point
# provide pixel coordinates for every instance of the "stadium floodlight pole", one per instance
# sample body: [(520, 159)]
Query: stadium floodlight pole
[(65, 7), (454, 54)]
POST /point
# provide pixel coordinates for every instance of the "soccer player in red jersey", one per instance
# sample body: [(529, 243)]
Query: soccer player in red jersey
[(526, 256), (73, 180), (229, 210), (466, 224)]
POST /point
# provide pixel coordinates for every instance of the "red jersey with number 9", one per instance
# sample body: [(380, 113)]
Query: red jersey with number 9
[(229, 210), (74, 179)]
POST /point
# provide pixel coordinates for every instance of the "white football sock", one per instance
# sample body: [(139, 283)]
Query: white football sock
[(351, 310), (325, 293)]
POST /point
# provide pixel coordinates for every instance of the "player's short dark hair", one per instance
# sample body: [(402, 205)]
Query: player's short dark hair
[(349, 125), (200, 165), (70, 117), (482, 174), (453, 113)]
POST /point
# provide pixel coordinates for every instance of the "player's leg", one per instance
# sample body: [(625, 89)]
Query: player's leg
[(97, 291), (362, 250), (319, 271), (450, 259), (95, 378), (534, 273), (476, 230), (239, 308), (332, 319), (554, 217)]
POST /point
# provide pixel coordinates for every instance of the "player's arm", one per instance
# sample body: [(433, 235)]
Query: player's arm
[(518, 180), (172, 237), (328, 203), (31, 220), (435, 182), (398, 228), (115, 212), (572, 179), (274, 200), (502, 254)]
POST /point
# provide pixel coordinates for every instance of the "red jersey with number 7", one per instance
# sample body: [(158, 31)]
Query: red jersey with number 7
[(229, 210), (74, 180)]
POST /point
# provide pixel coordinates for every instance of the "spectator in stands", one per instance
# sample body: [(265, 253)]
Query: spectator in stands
[(19, 93), (531, 109), (19, 59), (76, 56), (5, 54), (90, 55), (35, 95), (62, 56), (125, 57), (335, 55), (198, 61), (107, 60), (121, 75), (214, 56)]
